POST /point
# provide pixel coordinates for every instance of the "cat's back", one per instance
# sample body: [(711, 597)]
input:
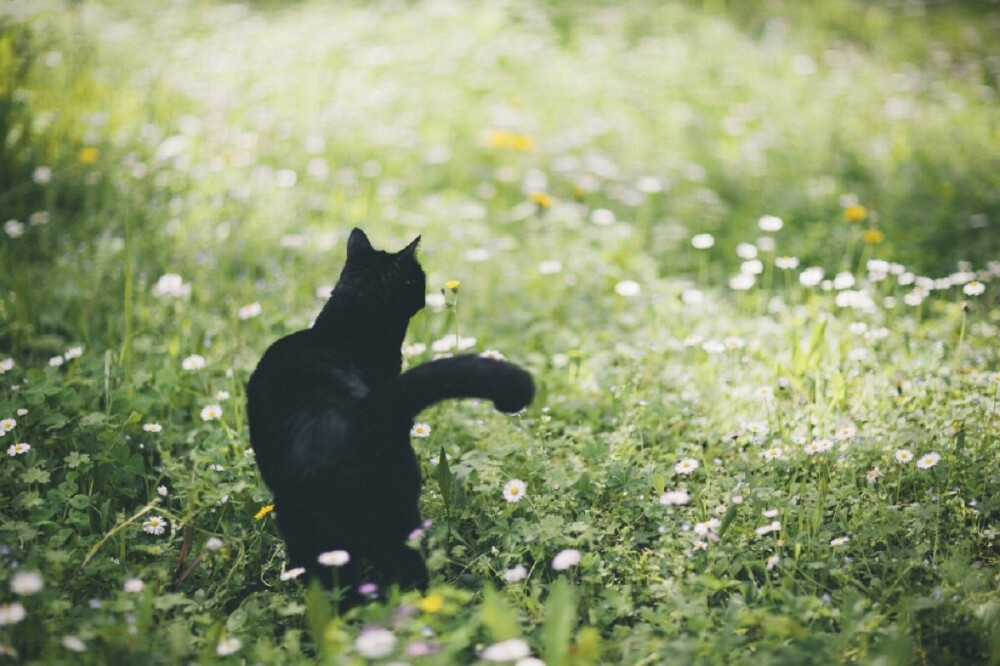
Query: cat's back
[(299, 372)]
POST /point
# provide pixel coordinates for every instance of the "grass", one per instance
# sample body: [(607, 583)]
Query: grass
[(833, 434)]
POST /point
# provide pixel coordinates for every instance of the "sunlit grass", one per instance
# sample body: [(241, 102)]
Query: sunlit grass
[(725, 245)]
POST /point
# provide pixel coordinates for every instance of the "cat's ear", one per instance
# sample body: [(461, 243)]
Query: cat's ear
[(358, 244), (411, 249)]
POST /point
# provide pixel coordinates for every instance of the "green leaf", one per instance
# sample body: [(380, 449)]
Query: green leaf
[(838, 389), (817, 348), (54, 421), (76, 459), (93, 419), (79, 501), (168, 601), (318, 610), (54, 556), (560, 618), (727, 519), (498, 617), (588, 646), (35, 475)]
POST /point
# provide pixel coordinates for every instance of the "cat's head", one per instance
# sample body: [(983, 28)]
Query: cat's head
[(394, 281)]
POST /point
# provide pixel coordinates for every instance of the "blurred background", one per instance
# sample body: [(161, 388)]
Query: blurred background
[(218, 132), (724, 236)]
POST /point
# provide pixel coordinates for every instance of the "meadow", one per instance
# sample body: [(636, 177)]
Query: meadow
[(750, 254)]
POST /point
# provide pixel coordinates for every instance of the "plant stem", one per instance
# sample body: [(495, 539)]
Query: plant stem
[(961, 341)]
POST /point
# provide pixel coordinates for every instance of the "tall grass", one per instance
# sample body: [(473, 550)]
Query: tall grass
[(778, 445)]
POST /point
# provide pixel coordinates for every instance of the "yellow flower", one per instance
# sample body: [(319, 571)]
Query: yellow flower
[(87, 155), (502, 139), (264, 510), (873, 236), (855, 214), (452, 285), (540, 199), (432, 603)]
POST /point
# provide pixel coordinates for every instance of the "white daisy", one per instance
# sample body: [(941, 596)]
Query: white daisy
[(565, 559), (706, 527), (769, 223), (228, 646), (786, 263), (549, 267), (334, 558), (686, 466), (211, 412), (155, 525), (765, 392), (514, 490), (846, 432), (375, 642), (420, 430), (702, 241), (171, 285), (973, 288), (512, 649), (25, 583), (193, 362), (74, 644), (134, 585), (928, 461), (675, 498), (11, 613), (628, 288), (18, 449), (515, 574), (13, 228), (291, 574), (774, 526), (249, 311)]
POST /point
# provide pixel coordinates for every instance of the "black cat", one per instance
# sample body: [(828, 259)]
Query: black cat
[(330, 417)]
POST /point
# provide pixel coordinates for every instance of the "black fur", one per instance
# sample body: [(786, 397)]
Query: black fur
[(330, 416)]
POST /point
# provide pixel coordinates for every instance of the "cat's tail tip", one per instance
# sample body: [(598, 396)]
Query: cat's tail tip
[(517, 390)]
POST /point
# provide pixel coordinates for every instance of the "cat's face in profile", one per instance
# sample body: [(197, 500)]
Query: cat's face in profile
[(389, 282)]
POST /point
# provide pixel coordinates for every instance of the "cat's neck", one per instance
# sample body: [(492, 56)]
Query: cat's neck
[(370, 343)]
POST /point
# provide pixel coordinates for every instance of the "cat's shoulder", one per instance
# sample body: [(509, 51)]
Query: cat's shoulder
[(300, 359), (291, 348)]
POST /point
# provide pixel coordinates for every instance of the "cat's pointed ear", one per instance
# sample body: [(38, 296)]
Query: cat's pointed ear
[(411, 249), (358, 243)]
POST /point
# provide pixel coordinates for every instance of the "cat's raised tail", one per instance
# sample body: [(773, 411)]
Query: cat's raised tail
[(509, 387)]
